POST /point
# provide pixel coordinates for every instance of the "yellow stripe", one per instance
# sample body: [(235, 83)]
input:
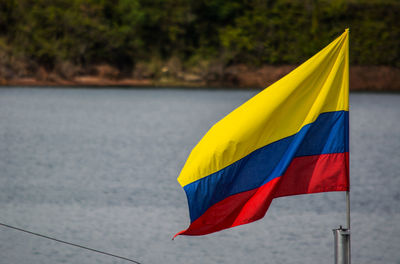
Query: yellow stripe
[(319, 85)]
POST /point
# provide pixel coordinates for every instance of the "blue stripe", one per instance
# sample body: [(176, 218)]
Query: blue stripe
[(328, 134)]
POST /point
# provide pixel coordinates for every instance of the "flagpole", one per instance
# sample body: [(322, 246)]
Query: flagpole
[(348, 191), (348, 209), (348, 225), (342, 235), (342, 238)]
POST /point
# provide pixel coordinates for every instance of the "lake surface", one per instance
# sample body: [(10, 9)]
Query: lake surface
[(99, 168)]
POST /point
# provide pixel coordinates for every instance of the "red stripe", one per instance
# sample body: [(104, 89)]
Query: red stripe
[(308, 174)]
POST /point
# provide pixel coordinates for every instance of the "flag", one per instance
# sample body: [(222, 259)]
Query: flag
[(291, 138)]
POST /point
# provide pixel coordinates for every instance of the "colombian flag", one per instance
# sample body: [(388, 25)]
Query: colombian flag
[(292, 138)]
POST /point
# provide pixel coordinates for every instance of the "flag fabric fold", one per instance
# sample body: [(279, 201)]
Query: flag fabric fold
[(292, 138)]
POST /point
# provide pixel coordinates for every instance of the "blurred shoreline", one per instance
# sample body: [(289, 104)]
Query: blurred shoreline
[(362, 78)]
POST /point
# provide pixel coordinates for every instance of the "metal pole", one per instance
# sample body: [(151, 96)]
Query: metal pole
[(342, 238), (348, 224), (348, 209), (342, 245)]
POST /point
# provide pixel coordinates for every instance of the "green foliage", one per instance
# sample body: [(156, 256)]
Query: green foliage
[(291, 31), (124, 32)]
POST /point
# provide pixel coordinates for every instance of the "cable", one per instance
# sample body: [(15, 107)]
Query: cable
[(68, 243)]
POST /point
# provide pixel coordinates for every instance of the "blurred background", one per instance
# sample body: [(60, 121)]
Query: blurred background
[(98, 167), (245, 43)]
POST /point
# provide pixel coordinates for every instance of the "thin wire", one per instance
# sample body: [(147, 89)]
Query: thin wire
[(68, 243)]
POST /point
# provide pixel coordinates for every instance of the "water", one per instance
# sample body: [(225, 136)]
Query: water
[(99, 168)]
